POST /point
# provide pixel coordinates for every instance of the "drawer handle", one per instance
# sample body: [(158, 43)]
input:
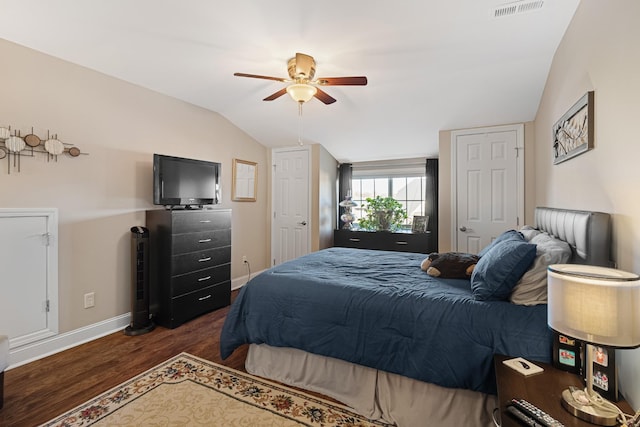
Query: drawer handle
[(204, 240), (204, 221), (401, 243), (202, 279), (353, 239), (205, 259), (204, 298)]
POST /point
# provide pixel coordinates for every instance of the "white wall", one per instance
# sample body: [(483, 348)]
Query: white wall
[(599, 52), (102, 195)]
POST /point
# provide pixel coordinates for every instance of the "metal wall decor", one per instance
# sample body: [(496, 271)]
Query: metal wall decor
[(13, 147), (573, 133)]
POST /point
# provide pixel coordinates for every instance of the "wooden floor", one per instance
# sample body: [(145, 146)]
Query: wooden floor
[(41, 390)]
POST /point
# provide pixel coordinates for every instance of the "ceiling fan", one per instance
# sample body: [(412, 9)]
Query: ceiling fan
[(302, 69)]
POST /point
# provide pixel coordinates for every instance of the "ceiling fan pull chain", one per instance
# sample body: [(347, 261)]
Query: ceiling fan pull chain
[(300, 122)]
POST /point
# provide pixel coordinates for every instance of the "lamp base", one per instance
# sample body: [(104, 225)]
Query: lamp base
[(577, 403)]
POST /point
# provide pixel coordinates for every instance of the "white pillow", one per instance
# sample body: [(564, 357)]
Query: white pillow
[(529, 232), (532, 287)]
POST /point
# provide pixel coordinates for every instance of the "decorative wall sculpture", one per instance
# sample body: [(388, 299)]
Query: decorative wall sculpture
[(13, 147)]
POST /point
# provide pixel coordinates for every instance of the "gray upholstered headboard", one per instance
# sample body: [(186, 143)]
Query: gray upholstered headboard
[(588, 233)]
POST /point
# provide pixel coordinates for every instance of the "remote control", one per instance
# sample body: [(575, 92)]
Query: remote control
[(525, 419), (532, 413)]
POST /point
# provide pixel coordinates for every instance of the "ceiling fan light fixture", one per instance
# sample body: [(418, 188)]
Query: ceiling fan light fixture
[(301, 92)]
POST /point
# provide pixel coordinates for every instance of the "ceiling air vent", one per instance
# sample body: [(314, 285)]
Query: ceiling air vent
[(517, 8)]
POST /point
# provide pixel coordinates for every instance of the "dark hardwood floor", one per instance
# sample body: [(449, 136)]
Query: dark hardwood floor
[(41, 390)]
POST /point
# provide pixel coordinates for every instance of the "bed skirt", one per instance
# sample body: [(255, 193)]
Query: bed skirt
[(376, 394)]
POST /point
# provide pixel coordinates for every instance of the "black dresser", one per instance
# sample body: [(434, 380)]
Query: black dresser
[(383, 240), (190, 263)]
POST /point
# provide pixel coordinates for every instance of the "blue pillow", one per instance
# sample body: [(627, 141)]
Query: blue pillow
[(507, 235), (499, 270)]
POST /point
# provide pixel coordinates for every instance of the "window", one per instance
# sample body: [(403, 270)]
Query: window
[(408, 190)]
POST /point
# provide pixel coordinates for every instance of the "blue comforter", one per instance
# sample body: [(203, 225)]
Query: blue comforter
[(379, 309)]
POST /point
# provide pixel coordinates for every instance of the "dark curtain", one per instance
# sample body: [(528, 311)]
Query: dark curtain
[(344, 187), (431, 200)]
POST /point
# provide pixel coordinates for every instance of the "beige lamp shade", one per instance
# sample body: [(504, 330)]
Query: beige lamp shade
[(597, 305)]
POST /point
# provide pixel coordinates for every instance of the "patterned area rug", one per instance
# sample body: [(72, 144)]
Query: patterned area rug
[(189, 391)]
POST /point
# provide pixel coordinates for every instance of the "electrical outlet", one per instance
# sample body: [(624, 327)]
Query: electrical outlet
[(89, 300), (244, 259)]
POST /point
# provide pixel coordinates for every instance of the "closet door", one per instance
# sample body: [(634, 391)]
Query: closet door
[(290, 228), (487, 184), (28, 265)]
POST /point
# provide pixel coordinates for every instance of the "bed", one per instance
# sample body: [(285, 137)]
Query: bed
[(372, 330)]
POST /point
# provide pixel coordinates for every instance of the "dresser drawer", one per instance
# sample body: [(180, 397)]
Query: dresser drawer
[(193, 261), (190, 282), (382, 240), (188, 306), (192, 242), (351, 239), (194, 221)]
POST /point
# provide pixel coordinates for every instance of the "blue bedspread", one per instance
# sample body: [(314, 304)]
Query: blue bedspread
[(378, 309)]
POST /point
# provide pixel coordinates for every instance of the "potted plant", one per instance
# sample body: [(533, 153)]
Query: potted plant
[(382, 214)]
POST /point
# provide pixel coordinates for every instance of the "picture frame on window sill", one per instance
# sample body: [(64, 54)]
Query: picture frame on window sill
[(419, 223), (573, 134), (244, 183)]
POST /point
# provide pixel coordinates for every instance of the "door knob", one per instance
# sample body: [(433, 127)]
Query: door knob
[(303, 223), (463, 228)]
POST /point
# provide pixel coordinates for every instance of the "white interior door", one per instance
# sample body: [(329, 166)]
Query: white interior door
[(291, 187), (488, 193), (28, 261)]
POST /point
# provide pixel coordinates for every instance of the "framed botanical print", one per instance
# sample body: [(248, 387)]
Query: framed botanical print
[(244, 184)]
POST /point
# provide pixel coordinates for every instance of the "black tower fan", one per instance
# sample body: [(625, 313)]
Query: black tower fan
[(140, 319)]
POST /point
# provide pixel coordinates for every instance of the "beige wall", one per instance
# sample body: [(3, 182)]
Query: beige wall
[(102, 195), (599, 52), (324, 172), (444, 183)]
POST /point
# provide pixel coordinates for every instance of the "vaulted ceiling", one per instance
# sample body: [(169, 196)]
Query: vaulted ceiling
[(431, 65)]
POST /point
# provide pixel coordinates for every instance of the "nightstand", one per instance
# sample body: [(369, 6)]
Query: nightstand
[(544, 390)]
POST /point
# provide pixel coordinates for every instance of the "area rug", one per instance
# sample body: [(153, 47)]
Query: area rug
[(189, 391)]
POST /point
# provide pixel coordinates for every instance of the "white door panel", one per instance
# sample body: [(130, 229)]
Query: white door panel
[(488, 185), (28, 261), (291, 204)]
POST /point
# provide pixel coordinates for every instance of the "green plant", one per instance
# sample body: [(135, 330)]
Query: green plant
[(382, 213)]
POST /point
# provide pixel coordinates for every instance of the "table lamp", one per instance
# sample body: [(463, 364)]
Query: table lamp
[(600, 306), (347, 217)]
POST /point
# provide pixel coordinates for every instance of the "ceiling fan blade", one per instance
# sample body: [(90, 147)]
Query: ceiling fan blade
[(255, 76), (305, 65), (324, 97), (342, 81), (276, 95)]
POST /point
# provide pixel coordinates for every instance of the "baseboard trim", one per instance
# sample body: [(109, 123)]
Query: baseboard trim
[(31, 352), (38, 350), (239, 282)]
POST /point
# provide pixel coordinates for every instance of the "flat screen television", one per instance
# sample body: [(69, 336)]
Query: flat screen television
[(185, 182)]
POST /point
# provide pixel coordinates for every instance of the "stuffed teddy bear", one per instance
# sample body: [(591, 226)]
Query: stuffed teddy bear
[(450, 265)]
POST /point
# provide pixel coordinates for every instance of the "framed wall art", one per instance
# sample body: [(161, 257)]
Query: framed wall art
[(573, 133), (244, 184)]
